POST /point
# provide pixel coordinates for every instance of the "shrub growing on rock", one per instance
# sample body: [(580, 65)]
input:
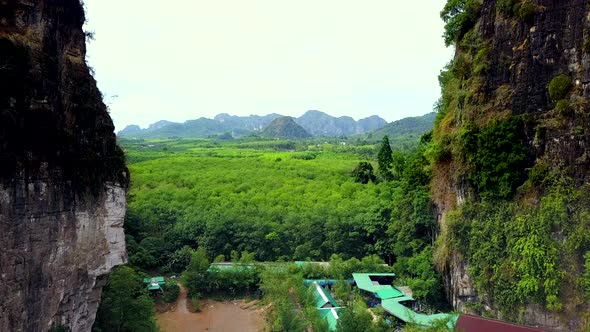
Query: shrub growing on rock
[(562, 106), (505, 7), (526, 11), (559, 87)]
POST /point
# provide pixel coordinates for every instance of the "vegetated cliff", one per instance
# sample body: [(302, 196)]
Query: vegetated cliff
[(511, 161), (62, 177)]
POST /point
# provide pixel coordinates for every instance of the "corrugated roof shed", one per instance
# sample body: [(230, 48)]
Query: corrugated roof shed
[(469, 323)]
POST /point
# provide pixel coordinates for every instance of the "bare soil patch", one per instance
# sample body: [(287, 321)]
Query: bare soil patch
[(226, 316)]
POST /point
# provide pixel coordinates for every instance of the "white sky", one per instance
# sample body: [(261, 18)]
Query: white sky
[(183, 59)]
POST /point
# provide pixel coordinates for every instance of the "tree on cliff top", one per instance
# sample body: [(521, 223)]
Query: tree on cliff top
[(459, 16)]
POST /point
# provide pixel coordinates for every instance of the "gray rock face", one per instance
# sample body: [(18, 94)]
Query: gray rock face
[(525, 57), (55, 250), (62, 176)]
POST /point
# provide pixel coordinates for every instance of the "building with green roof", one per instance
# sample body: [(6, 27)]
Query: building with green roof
[(331, 316), (395, 307), (323, 299), (326, 305), (372, 282), (379, 284), (388, 292), (154, 283)]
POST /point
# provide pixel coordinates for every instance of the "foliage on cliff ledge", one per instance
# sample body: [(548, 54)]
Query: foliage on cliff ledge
[(559, 87)]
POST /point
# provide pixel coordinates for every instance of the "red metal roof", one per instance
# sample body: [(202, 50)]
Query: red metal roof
[(469, 323)]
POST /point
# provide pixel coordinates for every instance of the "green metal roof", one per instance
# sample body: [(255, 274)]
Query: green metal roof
[(331, 315), (154, 283), (325, 304), (388, 293), (395, 308), (160, 280), (323, 297), (364, 282)]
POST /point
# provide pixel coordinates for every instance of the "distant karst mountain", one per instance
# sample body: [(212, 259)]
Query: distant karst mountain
[(321, 124), (416, 125), (285, 127), (252, 122), (371, 123), (130, 130), (314, 122)]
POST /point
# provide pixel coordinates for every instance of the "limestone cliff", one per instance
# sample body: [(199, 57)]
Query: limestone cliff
[(63, 179), (512, 132)]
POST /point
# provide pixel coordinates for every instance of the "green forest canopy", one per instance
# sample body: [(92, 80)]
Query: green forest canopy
[(279, 200)]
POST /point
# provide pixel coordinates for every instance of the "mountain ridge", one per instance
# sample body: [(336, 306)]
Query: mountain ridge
[(314, 122)]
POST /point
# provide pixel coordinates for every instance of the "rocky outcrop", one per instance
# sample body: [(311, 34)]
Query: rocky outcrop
[(63, 179)]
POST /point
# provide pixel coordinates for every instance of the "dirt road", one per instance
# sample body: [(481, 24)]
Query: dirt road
[(215, 317)]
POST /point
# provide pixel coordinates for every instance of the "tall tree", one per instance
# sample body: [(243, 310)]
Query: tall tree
[(363, 172), (385, 159), (125, 306), (195, 276)]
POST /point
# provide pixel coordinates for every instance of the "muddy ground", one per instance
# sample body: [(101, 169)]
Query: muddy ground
[(227, 316)]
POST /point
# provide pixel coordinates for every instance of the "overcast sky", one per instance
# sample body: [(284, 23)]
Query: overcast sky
[(183, 59)]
